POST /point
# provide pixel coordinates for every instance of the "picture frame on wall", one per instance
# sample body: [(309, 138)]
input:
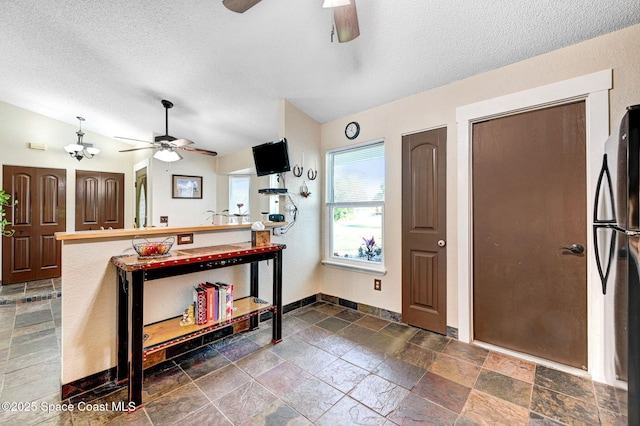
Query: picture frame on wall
[(188, 187)]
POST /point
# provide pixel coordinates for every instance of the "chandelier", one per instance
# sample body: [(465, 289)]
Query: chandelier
[(81, 149)]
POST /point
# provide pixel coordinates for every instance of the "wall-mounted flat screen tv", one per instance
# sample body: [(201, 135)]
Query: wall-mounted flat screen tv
[(271, 157)]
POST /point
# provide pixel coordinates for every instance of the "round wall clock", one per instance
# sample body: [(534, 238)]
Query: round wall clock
[(352, 130)]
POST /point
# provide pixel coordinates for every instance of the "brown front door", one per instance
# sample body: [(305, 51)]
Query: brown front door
[(99, 200), (529, 202), (33, 253), (424, 253)]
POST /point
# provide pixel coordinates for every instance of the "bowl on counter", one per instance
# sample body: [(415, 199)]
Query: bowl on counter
[(147, 249)]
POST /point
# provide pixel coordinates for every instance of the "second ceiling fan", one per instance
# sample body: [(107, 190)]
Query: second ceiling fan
[(166, 145), (345, 16)]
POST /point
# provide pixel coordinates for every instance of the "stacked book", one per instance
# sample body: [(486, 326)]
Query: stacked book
[(212, 302)]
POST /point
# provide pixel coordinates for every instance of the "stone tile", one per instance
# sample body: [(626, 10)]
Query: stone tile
[(162, 379), (311, 316), (46, 342), (399, 331), (416, 355), (336, 345), (259, 362), (399, 372), (511, 366), (442, 391), (137, 418), (379, 394), (383, 343), (606, 397), (459, 371), (30, 318), (238, 349), (92, 417), (348, 411), (613, 419), (292, 325), (333, 324), (33, 307), (245, 402), (174, 406), (415, 410), (486, 409), (563, 408), (355, 333), (373, 323), (201, 361), (304, 355), (329, 309), (283, 378), (342, 375), (349, 315), (313, 398), (12, 289), (504, 387), (23, 376), (32, 358), (231, 376), (427, 339), (314, 334), (559, 381), (364, 357), (278, 413), (473, 354), (40, 387), (536, 419), (36, 334), (262, 337)]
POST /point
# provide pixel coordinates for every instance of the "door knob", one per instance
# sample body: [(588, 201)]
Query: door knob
[(575, 248), (442, 243)]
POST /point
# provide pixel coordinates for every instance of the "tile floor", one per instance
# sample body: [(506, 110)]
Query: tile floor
[(335, 366)]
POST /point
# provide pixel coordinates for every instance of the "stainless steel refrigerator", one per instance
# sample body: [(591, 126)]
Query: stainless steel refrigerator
[(617, 250)]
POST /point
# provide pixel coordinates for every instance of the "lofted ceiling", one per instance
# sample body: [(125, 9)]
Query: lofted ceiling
[(113, 61)]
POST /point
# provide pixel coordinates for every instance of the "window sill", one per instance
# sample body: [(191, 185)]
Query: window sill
[(352, 267)]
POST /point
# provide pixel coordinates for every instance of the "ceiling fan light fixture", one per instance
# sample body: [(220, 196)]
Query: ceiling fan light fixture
[(335, 3), (167, 155)]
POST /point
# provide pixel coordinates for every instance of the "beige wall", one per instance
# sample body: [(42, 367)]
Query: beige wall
[(437, 107)]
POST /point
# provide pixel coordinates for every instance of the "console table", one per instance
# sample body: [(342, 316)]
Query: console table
[(132, 348)]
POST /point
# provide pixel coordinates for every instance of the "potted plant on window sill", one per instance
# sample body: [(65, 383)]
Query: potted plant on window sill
[(4, 202)]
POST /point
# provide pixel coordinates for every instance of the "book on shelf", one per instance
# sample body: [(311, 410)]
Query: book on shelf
[(228, 299), (200, 305), (211, 300)]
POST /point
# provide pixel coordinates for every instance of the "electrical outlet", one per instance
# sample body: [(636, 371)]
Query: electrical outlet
[(164, 219), (377, 284)]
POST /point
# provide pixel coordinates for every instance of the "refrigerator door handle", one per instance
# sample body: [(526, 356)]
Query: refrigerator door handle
[(604, 174), (604, 273)]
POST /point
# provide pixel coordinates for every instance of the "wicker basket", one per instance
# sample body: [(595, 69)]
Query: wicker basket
[(152, 249)]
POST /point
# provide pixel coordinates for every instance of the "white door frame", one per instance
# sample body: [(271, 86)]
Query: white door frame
[(594, 90)]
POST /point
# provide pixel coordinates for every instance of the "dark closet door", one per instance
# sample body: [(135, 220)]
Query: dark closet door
[(33, 253), (99, 200), (529, 208), (424, 253)]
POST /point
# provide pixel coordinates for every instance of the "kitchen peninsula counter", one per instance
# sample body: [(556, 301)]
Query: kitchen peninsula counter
[(90, 293)]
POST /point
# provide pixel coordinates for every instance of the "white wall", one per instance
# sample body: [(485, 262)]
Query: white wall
[(19, 127), (436, 108)]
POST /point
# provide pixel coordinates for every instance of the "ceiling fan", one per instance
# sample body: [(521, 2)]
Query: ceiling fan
[(345, 16), (167, 145)]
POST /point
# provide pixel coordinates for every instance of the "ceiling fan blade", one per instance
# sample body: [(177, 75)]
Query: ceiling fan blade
[(138, 149), (346, 20), (131, 139), (199, 151), (181, 142), (239, 6)]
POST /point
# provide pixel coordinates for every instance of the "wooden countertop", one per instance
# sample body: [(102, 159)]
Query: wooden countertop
[(132, 232)]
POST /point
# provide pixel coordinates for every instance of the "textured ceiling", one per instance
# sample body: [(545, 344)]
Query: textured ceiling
[(113, 61)]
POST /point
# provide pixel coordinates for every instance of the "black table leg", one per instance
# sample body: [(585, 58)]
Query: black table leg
[(122, 332), (254, 321), (277, 297), (136, 331)]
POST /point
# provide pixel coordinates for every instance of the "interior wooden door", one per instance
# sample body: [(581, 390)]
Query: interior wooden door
[(33, 253), (424, 254), (99, 200), (529, 212)]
